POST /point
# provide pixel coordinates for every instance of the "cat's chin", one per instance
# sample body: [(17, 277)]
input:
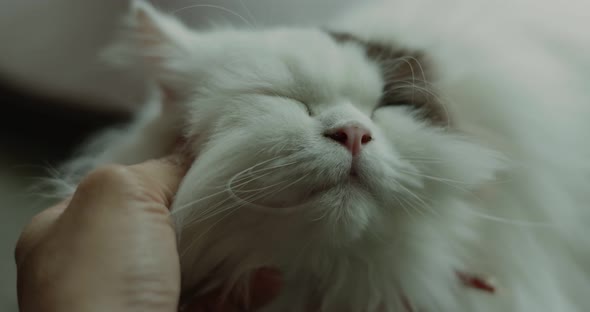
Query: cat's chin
[(349, 183), (308, 194)]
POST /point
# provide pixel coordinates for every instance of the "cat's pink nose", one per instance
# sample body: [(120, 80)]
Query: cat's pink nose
[(352, 137)]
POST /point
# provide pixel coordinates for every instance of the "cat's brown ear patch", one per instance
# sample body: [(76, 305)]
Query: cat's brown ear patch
[(406, 75)]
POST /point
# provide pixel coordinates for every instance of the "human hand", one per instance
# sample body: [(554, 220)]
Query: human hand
[(112, 247)]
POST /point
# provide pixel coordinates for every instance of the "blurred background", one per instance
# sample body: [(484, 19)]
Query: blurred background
[(54, 91)]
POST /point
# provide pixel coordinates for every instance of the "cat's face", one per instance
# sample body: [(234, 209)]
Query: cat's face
[(306, 139), (294, 123)]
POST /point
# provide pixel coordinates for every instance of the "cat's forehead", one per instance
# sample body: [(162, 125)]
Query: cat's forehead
[(299, 60)]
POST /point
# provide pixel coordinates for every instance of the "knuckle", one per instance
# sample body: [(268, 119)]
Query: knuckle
[(106, 176), (24, 243), (34, 232), (20, 248)]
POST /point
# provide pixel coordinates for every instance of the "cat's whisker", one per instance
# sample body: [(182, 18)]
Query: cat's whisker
[(413, 87), (213, 210), (426, 161), (414, 157), (248, 177), (233, 205), (263, 188), (233, 194), (448, 182), (249, 12), (427, 205), (249, 170), (262, 163), (196, 239), (422, 72), (425, 88), (413, 78), (192, 203), (404, 207), (475, 213), (512, 222), (217, 7), (322, 216), (411, 158), (230, 210), (416, 202), (435, 178), (209, 212), (412, 194), (276, 166), (409, 83)]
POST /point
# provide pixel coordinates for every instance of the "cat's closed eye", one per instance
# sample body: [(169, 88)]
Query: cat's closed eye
[(302, 103), (406, 96), (397, 102), (424, 103)]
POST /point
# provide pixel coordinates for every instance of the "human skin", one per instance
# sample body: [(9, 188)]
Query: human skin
[(112, 247)]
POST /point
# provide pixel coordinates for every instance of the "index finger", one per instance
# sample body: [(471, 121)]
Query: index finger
[(166, 174), (37, 228)]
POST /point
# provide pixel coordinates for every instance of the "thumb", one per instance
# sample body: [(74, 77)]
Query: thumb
[(154, 182), (162, 176)]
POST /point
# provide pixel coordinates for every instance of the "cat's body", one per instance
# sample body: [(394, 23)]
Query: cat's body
[(473, 162)]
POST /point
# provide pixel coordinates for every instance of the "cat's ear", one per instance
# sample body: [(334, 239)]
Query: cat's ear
[(159, 43)]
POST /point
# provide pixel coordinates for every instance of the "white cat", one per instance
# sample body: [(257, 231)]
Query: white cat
[(417, 155)]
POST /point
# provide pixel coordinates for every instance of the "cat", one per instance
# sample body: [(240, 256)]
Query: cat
[(418, 155)]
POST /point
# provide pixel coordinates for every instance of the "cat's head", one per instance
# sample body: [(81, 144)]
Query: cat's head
[(305, 139)]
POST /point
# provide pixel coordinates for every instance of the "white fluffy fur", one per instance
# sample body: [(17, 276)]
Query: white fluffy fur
[(504, 191)]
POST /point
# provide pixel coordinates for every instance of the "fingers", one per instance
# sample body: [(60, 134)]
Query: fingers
[(165, 173), (154, 180), (37, 229)]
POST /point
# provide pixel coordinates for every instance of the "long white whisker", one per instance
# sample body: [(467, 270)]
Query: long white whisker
[(260, 188), (175, 12), (511, 222), (252, 18), (435, 178), (245, 176), (236, 177), (413, 78), (412, 194), (264, 208), (206, 231), (404, 207), (209, 212), (191, 203), (231, 210)]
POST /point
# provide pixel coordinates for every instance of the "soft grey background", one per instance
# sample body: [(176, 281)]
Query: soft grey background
[(49, 47), (52, 44)]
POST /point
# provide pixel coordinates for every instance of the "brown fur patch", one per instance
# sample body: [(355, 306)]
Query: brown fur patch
[(406, 75)]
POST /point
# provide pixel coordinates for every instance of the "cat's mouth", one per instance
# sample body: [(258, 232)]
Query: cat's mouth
[(290, 192), (353, 173), (352, 180)]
